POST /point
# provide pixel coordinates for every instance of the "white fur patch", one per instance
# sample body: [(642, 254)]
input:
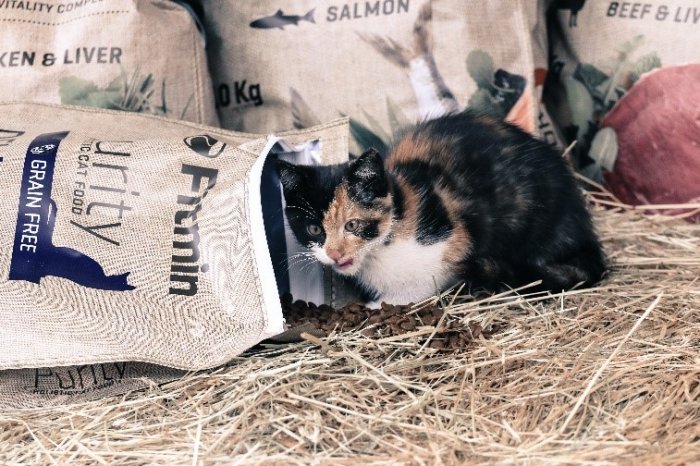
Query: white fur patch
[(406, 271), (321, 256)]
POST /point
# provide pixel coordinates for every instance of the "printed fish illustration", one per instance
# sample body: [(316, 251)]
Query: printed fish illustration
[(280, 20), (433, 96)]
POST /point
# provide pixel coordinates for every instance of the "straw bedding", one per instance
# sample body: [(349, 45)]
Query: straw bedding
[(609, 375)]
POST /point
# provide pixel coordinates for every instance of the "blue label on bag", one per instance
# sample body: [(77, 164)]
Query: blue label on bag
[(34, 255)]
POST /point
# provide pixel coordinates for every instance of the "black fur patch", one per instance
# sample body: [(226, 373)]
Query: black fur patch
[(433, 220), (398, 200), (369, 231), (367, 179), (308, 191)]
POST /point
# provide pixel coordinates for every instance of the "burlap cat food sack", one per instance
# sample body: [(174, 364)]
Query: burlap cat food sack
[(134, 55), (384, 63), (50, 386), (625, 84), (136, 238)]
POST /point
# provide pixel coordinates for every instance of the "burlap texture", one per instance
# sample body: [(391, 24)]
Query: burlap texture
[(385, 64), (600, 52), (64, 320), (29, 388), (134, 55)]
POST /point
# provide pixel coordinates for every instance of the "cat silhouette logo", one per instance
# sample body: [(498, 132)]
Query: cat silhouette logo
[(205, 145), (34, 256)]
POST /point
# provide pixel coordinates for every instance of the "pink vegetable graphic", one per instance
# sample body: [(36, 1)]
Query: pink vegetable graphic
[(657, 133)]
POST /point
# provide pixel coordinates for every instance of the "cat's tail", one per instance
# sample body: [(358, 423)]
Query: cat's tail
[(586, 268)]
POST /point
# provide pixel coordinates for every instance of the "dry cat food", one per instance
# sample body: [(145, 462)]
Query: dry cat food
[(389, 320)]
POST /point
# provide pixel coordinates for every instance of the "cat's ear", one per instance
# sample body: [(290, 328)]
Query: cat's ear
[(366, 178), (289, 174)]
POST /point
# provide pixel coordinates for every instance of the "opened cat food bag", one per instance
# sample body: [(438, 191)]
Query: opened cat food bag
[(134, 55), (135, 238), (384, 63), (625, 83)]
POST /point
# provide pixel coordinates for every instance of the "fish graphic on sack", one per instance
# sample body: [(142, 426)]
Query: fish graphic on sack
[(280, 20)]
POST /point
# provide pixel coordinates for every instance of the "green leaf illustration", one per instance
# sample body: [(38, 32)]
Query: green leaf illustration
[(134, 93), (482, 101), (581, 105), (604, 148), (376, 127), (628, 48), (78, 91), (73, 89), (366, 138), (302, 115), (643, 65), (398, 121), (481, 68), (589, 75), (618, 75)]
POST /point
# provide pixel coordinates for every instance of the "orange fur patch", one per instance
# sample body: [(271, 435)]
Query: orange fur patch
[(422, 147), (406, 227), (459, 243), (341, 210)]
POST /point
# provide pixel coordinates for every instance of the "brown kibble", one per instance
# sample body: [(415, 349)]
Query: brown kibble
[(437, 344), (354, 319), (390, 320), (408, 325), (300, 304), (286, 300), (475, 329), (369, 332), (394, 319), (430, 320), (355, 307)]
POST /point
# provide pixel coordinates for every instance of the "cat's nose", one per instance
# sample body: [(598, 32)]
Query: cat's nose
[(334, 255)]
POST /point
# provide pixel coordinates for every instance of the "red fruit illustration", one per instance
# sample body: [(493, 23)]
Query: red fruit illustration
[(657, 124)]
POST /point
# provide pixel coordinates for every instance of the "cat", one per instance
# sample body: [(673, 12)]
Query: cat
[(464, 197)]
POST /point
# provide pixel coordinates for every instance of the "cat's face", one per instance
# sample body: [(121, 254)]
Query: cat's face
[(341, 212)]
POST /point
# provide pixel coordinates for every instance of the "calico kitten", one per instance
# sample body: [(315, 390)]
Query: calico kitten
[(464, 197)]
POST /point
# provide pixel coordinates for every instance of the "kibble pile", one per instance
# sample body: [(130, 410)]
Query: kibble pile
[(445, 332)]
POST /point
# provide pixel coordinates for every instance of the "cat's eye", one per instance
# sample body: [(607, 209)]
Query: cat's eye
[(313, 229), (352, 225)]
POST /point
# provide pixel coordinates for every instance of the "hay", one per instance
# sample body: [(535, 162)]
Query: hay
[(607, 375)]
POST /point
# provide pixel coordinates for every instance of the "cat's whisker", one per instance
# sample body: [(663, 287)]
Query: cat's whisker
[(306, 211), (303, 259)]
